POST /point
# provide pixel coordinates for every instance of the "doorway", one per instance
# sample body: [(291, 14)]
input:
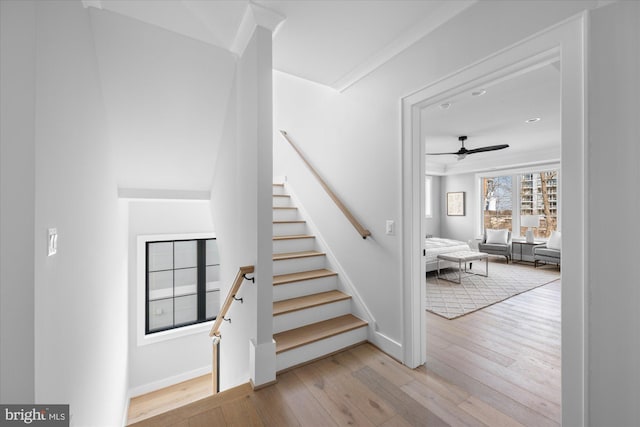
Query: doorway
[(566, 42)]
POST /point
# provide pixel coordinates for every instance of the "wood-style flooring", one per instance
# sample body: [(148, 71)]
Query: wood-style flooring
[(499, 366)]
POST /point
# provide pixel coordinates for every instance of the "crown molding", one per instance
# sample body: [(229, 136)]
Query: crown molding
[(255, 16), (409, 37)]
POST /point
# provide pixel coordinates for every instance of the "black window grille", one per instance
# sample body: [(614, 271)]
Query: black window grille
[(182, 283)]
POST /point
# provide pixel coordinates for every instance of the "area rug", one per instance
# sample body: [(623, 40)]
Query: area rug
[(451, 300)]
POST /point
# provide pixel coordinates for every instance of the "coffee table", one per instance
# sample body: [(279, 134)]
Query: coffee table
[(464, 256)]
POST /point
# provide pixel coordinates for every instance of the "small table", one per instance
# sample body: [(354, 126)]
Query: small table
[(464, 256), (522, 243)]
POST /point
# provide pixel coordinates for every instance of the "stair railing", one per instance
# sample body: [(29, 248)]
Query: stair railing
[(215, 329), (352, 219)]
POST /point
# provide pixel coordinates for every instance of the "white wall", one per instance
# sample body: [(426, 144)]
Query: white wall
[(614, 203), (165, 96), (80, 293), (241, 204), (151, 365), (353, 139), (17, 200), (459, 227)]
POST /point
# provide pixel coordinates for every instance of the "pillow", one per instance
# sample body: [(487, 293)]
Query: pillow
[(555, 241), (497, 237)]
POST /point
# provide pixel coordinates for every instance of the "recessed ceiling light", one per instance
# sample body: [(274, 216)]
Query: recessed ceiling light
[(445, 106), (478, 92), (532, 120)]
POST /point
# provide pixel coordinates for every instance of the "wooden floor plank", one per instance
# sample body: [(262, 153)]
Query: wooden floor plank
[(273, 409), (366, 400), (404, 405), (341, 411), (206, 419), (442, 407), (297, 396), (487, 414)]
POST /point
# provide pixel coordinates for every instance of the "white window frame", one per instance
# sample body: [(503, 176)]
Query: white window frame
[(515, 193), (142, 338)]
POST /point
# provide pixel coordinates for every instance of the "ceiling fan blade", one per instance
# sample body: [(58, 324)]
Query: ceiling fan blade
[(488, 148)]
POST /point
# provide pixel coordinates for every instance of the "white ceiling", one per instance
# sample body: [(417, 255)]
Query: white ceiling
[(334, 43), (498, 117)]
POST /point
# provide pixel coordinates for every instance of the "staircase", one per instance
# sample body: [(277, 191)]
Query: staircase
[(311, 317)]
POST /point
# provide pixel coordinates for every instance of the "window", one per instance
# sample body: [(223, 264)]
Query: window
[(506, 198), (497, 209), (539, 196), (427, 198), (181, 283)]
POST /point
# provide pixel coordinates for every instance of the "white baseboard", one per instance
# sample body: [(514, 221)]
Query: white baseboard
[(386, 344), (166, 382)]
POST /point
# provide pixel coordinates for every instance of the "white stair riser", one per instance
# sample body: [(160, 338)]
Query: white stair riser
[(293, 245), (289, 228), (320, 348), (282, 201), (296, 265), (279, 189), (285, 214), (305, 287), (296, 319)]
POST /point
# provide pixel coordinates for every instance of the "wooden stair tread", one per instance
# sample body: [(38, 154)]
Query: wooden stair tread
[(294, 236), (284, 207), (294, 338), (281, 195), (308, 301), (303, 275), (292, 221), (277, 185), (296, 255)]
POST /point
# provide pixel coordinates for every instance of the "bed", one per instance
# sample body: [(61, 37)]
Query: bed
[(434, 246)]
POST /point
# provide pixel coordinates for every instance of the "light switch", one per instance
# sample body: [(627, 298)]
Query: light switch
[(52, 241), (390, 227)]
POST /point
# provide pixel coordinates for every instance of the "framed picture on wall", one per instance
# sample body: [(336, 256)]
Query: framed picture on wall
[(455, 203)]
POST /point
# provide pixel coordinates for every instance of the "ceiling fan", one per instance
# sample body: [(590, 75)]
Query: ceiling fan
[(462, 152)]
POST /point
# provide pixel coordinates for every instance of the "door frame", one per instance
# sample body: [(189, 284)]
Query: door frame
[(567, 40)]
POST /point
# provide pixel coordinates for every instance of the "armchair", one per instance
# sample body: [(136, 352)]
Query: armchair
[(550, 252), (496, 242)]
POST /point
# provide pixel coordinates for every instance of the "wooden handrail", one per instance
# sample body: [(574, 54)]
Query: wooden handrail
[(363, 231), (215, 329)]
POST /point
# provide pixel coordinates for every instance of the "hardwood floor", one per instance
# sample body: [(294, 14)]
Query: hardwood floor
[(499, 366)]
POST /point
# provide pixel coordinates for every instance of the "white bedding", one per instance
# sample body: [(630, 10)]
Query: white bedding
[(436, 245)]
